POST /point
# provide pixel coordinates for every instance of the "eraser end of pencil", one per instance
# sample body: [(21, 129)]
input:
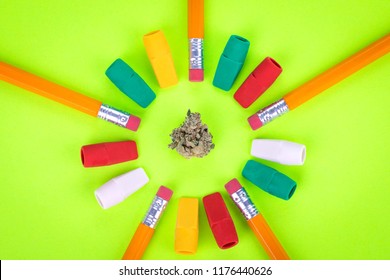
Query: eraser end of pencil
[(196, 75), (164, 193), (133, 123), (255, 122), (232, 186)]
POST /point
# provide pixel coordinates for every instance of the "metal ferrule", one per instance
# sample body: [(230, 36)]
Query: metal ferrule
[(272, 111), (196, 53), (244, 203), (113, 115), (155, 211)]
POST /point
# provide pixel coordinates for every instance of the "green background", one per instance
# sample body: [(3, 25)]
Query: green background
[(341, 207)]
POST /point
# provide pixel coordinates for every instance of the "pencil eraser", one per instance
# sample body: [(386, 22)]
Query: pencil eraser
[(220, 221), (258, 82), (280, 151), (255, 122), (164, 193), (133, 123), (187, 226), (269, 179), (119, 188), (102, 154), (231, 62), (130, 83), (196, 75), (232, 186), (160, 57)]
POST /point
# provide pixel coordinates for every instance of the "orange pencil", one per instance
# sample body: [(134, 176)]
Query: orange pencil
[(320, 83), (195, 39), (256, 221), (66, 96), (145, 230)]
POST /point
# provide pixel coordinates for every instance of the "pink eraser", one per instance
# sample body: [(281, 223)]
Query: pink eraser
[(102, 154), (255, 122), (232, 186), (133, 123), (164, 193), (196, 75)]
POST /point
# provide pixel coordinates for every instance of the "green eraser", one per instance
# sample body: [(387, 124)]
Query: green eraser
[(231, 62), (130, 83), (269, 179)]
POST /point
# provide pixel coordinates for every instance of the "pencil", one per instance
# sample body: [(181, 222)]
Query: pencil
[(320, 83), (70, 98), (195, 39), (146, 228), (256, 221)]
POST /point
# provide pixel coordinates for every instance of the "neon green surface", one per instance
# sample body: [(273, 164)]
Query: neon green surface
[(341, 206)]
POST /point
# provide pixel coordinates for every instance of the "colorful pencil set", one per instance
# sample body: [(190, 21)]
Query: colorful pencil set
[(229, 66)]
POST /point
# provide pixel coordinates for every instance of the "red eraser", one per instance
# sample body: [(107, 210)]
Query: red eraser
[(108, 153), (258, 82), (220, 221), (196, 75), (164, 193)]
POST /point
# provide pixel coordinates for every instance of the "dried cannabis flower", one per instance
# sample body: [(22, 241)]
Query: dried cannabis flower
[(192, 138)]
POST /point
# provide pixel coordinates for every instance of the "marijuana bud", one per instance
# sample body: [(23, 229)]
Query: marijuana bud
[(192, 138)]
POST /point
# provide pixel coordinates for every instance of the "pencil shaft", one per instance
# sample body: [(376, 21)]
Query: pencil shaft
[(338, 72), (138, 243), (267, 238), (195, 18), (49, 89)]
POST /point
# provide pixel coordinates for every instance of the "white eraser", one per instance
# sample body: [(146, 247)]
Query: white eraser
[(280, 151), (119, 188)]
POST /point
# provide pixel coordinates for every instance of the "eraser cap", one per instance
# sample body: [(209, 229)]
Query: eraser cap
[(279, 151), (231, 62), (187, 226), (119, 188), (102, 154), (236, 48), (220, 221), (269, 179), (156, 44), (159, 55), (130, 83), (261, 78)]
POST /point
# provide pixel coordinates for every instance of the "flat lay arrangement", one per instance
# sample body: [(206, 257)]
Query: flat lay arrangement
[(270, 169)]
